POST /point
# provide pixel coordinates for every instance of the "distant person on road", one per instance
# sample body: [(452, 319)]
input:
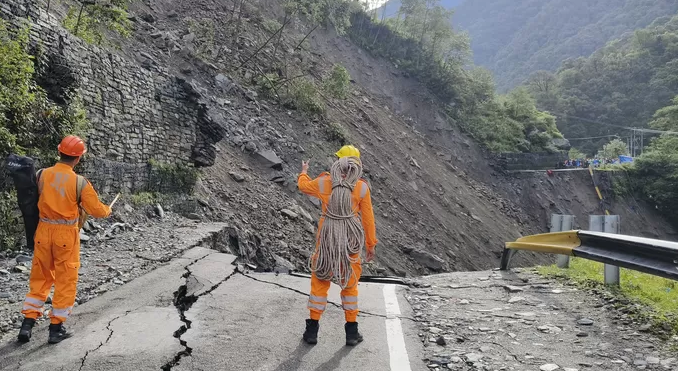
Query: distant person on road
[(346, 225), (56, 257)]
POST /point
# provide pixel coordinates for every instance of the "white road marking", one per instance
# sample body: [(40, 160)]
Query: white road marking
[(394, 331)]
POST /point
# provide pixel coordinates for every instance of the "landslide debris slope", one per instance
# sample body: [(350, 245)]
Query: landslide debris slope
[(434, 209), (439, 204)]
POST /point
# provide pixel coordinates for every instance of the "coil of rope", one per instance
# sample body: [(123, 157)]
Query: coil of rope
[(341, 235)]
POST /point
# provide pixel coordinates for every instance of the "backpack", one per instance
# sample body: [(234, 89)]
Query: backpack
[(26, 180), (22, 171)]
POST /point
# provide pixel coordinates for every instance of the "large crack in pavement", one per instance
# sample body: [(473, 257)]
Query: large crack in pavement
[(183, 301), (361, 313), (108, 338)]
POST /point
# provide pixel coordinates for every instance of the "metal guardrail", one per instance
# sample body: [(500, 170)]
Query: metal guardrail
[(561, 223), (656, 257)]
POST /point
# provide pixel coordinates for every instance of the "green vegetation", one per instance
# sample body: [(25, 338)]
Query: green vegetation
[(338, 84), (147, 198), (97, 19), (271, 25), (576, 154), (269, 84), (168, 178), (614, 149), (628, 83), (336, 133), (514, 38), (512, 123), (421, 41), (304, 95), (301, 94), (30, 124), (658, 166), (204, 37), (11, 223), (335, 13), (657, 293), (620, 85)]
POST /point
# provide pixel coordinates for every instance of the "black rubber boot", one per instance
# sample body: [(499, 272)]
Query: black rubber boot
[(57, 333), (311, 333), (26, 330), (353, 337)]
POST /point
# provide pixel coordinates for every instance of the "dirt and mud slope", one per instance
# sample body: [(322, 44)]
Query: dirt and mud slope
[(439, 204)]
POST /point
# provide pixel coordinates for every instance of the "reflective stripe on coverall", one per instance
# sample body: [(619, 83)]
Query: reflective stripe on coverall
[(321, 188), (56, 258)]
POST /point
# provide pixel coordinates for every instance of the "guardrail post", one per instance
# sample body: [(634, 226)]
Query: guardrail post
[(607, 224), (561, 223)]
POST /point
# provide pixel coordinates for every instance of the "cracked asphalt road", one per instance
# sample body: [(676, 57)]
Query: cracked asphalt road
[(200, 312)]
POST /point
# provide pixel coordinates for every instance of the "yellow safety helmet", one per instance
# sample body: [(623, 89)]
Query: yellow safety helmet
[(348, 151)]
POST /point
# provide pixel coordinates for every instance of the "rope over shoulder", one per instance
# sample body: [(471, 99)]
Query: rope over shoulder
[(341, 235)]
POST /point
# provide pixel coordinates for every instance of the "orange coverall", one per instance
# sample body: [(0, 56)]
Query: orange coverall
[(57, 241), (321, 188)]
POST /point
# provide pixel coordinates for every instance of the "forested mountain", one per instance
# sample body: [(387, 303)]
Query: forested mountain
[(392, 6), (621, 85), (630, 83), (514, 38), (422, 42)]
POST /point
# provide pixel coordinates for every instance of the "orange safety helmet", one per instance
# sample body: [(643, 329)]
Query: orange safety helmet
[(72, 146)]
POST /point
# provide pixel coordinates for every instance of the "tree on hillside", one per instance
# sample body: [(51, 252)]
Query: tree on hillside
[(666, 118), (576, 154), (428, 23), (657, 168), (96, 19), (544, 87), (614, 149)]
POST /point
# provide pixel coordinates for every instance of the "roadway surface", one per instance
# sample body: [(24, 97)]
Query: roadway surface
[(201, 312)]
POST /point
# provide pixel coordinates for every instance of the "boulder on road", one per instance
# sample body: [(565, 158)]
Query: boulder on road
[(428, 260)]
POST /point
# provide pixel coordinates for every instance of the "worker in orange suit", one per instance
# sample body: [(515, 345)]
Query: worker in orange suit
[(56, 257), (347, 225)]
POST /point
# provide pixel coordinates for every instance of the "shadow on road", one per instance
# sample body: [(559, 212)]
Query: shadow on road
[(14, 352), (334, 362), (11, 346), (294, 360)]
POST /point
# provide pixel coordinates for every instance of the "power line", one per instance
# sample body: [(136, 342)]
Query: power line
[(602, 136), (617, 126)]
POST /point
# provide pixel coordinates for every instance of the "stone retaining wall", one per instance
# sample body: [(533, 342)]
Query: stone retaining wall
[(138, 113), (531, 161)]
